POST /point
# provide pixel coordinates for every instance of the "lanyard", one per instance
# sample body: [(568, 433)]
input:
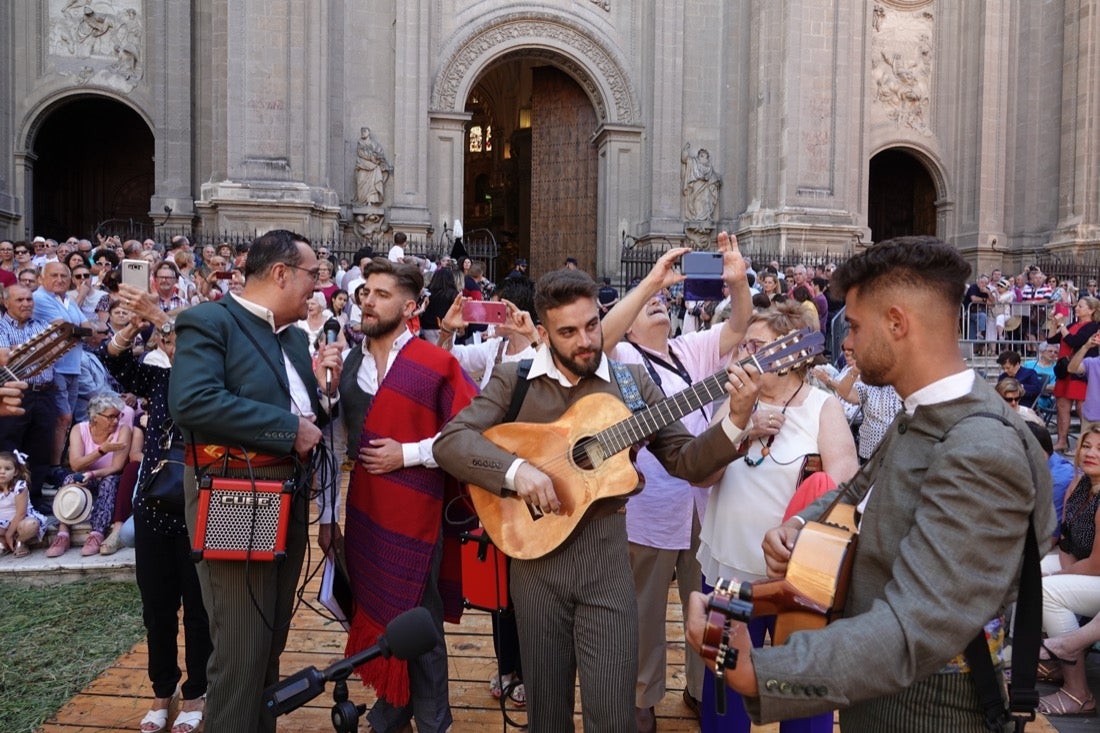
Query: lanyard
[(677, 367)]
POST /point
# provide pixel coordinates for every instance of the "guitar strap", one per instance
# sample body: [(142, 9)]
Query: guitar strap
[(1022, 695), (632, 396), (520, 392)]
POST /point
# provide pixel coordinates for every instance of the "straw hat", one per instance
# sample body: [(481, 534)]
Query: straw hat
[(1013, 323), (72, 504)]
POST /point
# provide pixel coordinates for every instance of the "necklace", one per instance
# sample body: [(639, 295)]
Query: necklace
[(766, 447)]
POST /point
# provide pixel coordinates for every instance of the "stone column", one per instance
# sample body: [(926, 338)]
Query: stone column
[(662, 186), (445, 188), (619, 192), (804, 191), (172, 200), (275, 149), (412, 41), (1079, 188)]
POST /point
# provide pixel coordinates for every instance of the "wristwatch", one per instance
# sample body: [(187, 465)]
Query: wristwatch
[(167, 327)]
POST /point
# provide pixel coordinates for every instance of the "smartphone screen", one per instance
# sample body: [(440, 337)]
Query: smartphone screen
[(484, 311), (704, 275), (136, 273)]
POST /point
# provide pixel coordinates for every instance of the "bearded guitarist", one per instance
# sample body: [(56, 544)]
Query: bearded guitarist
[(945, 504), (575, 606)]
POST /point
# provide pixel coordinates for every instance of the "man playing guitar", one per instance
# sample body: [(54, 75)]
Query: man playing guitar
[(945, 512)]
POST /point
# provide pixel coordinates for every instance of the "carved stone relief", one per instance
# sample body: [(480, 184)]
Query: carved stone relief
[(604, 4), (618, 104), (100, 41), (901, 66)]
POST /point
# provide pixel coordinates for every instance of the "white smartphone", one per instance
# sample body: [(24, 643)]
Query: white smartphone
[(136, 273)]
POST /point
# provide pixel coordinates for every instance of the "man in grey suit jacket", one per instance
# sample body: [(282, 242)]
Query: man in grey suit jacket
[(242, 379), (945, 503)]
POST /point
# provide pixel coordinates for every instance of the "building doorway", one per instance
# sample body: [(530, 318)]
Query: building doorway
[(531, 167), (901, 197), (94, 166)]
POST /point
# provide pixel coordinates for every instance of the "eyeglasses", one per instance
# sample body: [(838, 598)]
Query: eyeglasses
[(752, 346), (315, 273), (22, 251), (111, 415), (81, 275), (171, 278)]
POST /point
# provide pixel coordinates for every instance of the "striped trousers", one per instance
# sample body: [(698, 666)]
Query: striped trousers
[(576, 612), (942, 703), (250, 607)]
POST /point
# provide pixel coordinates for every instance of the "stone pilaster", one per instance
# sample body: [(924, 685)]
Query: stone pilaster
[(412, 41), (275, 155), (448, 138), (170, 71), (667, 122), (619, 186), (1079, 187)]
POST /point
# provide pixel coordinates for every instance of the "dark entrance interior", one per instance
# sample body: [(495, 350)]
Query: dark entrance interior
[(531, 166), (902, 197), (94, 166)]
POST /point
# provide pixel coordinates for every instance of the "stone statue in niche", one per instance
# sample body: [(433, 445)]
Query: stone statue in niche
[(371, 170), (901, 67), (700, 191)]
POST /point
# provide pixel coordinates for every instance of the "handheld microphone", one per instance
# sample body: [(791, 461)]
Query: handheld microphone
[(406, 637), (332, 332)]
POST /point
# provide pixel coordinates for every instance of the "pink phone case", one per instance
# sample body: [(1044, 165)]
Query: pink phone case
[(482, 311)]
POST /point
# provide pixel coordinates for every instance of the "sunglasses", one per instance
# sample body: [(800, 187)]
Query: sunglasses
[(81, 276)]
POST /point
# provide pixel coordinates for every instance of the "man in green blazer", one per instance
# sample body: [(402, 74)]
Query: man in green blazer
[(243, 380)]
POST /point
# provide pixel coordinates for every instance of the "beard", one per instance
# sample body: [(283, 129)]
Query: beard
[(381, 327), (876, 365), (585, 366)]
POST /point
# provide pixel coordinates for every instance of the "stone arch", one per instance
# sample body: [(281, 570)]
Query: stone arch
[(41, 110), (530, 33), (905, 193), (926, 157), (84, 157)]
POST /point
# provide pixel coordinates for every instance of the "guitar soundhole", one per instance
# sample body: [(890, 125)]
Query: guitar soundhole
[(588, 454)]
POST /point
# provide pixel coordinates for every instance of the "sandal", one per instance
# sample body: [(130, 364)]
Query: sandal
[(187, 721), (518, 694), (1055, 704), (1048, 670), (157, 718), (21, 549), (494, 687)]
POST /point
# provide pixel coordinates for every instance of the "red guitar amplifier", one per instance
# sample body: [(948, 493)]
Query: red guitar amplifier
[(484, 573), (242, 519)]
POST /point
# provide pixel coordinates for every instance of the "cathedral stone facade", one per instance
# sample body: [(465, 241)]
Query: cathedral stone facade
[(573, 127)]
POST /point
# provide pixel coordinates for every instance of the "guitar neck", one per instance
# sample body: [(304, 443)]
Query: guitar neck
[(645, 423)]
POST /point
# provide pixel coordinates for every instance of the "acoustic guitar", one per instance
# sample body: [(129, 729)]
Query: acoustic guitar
[(35, 355), (813, 590), (584, 452)]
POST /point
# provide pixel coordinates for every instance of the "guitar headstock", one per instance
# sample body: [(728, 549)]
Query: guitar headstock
[(789, 351), (33, 356)]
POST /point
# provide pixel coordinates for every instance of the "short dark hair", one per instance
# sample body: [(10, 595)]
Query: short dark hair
[(408, 277), (178, 241), (1042, 435), (170, 265), (400, 238), (1008, 357), (105, 253), (562, 287), (903, 264), (268, 250)]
